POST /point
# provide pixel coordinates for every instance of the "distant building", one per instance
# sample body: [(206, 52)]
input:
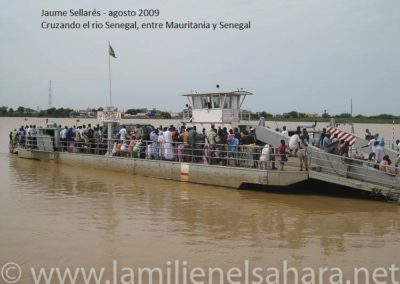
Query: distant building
[(312, 115), (176, 114), (87, 113)]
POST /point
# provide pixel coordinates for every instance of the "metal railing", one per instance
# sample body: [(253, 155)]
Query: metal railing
[(356, 169), (246, 156)]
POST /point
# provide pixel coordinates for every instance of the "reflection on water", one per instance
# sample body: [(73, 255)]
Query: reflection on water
[(61, 214)]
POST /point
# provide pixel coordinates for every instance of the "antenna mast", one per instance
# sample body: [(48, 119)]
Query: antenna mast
[(351, 107), (50, 102)]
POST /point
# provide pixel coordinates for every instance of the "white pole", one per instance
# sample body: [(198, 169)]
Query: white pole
[(393, 142), (109, 137), (109, 70), (351, 107)]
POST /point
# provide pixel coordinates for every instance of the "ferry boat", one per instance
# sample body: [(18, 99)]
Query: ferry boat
[(235, 167)]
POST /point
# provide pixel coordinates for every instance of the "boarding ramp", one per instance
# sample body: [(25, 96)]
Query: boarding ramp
[(270, 136), (353, 173), (358, 174), (359, 143)]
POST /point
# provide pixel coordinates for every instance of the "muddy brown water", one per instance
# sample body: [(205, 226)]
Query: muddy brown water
[(56, 215)]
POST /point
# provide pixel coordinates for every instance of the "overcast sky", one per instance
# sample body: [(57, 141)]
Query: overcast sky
[(303, 55)]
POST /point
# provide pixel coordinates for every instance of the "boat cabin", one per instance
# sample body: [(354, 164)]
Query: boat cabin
[(214, 108)]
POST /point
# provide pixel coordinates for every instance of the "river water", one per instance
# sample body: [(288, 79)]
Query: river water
[(62, 216)]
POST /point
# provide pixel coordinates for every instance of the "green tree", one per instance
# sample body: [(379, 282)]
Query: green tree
[(345, 115), (265, 114), (3, 111), (165, 114), (21, 110)]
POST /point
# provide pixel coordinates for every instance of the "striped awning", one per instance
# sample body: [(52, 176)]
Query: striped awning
[(342, 135)]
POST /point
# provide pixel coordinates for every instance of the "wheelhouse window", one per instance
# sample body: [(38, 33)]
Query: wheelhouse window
[(197, 103), (216, 101), (234, 102), (205, 102)]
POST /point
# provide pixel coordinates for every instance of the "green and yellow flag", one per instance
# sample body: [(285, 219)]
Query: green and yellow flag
[(111, 51)]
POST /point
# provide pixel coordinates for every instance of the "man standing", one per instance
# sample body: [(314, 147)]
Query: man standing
[(192, 143), (122, 134), (284, 131), (294, 143), (379, 152)]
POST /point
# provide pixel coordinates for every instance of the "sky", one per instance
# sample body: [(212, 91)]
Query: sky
[(301, 55)]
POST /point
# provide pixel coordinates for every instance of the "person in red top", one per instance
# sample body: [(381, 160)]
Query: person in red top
[(282, 152)]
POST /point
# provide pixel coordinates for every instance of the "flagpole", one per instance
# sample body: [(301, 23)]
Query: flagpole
[(109, 71)]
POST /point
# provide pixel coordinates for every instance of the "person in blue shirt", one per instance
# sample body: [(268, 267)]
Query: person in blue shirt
[(326, 142)]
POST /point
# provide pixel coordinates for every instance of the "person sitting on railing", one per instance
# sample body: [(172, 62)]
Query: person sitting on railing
[(124, 149), (132, 143), (385, 167), (139, 150)]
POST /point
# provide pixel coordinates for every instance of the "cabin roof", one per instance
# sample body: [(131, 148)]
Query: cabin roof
[(232, 93)]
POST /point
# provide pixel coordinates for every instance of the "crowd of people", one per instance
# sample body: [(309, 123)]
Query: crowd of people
[(215, 146), (378, 155), (26, 136), (186, 144)]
